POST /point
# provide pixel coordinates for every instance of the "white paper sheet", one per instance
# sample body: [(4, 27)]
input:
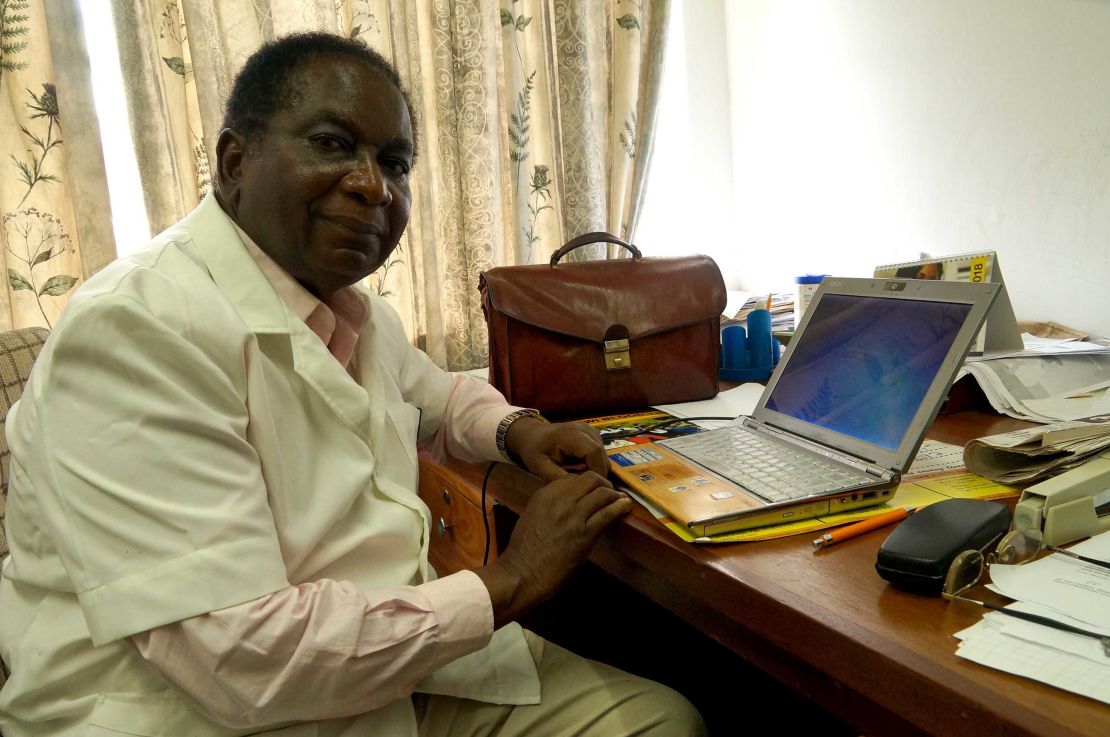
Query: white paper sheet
[(934, 456), (993, 644), (1066, 585), (1036, 346), (734, 402)]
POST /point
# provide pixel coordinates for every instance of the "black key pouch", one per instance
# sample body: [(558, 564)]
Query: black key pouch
[(916, 556)]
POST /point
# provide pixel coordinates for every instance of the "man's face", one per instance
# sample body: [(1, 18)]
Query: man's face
[(324, 190)]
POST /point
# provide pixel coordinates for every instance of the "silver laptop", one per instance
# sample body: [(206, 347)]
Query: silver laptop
[(840, 420)]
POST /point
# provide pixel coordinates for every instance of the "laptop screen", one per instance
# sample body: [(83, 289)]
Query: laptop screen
[(866, 364)]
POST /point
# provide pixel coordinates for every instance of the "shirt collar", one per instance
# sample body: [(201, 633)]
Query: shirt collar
[(301, 301), (337, 321)]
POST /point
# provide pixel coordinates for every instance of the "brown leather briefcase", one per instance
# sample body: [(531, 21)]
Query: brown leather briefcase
[(587, 338)]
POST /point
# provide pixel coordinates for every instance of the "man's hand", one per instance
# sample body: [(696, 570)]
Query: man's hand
[(552, 450), (552, 537)]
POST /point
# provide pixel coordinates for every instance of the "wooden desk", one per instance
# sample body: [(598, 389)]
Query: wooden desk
[(826, 625)]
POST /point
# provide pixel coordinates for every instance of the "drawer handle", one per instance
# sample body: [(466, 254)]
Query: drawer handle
[(442, 526), (446, 497)]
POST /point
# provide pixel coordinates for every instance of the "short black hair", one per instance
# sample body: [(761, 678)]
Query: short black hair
[(261, 88)]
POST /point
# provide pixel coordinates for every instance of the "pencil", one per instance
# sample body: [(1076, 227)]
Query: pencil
[(872, 523), (768, 303)]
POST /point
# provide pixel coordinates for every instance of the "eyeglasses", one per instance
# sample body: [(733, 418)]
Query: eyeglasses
[(1015, 548)]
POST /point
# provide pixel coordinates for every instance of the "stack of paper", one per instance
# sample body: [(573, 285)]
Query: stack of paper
[(1036, 453), (741, 303), (1037, 346), (1063, 589), (1065, 380)]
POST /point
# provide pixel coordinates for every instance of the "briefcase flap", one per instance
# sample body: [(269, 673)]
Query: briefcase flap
[(585, 299)]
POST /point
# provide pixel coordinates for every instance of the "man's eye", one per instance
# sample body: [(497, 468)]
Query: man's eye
[(329, 143), (398, 167)]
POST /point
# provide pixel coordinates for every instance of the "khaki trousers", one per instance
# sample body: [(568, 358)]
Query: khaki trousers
[(580, 698)]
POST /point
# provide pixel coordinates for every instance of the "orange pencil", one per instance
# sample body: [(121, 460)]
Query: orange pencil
[(768, 303), (873, 523)]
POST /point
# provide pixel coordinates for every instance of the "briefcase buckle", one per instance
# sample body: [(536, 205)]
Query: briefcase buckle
[(616, 355)]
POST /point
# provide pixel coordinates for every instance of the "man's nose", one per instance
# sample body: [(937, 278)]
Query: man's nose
[(367, 182)]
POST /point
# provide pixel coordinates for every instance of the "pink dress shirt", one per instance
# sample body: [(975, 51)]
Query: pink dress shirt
[(324, 649)]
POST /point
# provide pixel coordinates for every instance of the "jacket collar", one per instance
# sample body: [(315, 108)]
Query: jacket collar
[(239, 277), (235, 272)]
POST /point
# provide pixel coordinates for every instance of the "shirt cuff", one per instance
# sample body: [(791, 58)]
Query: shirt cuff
[(463, 610)]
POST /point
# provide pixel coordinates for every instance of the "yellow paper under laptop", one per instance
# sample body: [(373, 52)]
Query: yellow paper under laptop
[(947, 481), (687, 492)]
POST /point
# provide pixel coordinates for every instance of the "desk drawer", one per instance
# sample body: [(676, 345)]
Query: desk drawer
[(458, 536)]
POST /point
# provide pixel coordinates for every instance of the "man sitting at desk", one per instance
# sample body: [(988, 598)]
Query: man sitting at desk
[(213, 515)]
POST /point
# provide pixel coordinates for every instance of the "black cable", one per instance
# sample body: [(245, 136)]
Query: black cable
[(485, 516), (657, 426)]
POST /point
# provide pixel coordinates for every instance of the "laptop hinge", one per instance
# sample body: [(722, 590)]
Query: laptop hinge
[(884, 474), (877, 471)]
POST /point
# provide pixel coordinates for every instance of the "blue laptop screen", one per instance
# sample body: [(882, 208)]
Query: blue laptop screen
[(863, 364)]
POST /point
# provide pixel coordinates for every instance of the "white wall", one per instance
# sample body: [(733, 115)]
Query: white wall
[(869, 131), (690, 182)]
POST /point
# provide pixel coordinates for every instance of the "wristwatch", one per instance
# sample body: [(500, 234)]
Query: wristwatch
[(503, 431)]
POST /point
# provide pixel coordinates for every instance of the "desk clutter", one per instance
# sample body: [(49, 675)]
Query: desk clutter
[(546, 323), (945, 511), (1049, 381), (1036, 453), (1041, 371), (1060, 592), (779, 304)]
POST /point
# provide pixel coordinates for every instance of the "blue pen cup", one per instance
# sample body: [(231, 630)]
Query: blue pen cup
[(749, 355)]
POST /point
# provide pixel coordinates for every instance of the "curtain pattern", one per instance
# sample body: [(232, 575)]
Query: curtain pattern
[(534, 119), (53, 193)]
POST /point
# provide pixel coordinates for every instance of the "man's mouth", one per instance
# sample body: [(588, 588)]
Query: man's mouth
[(355, 225)]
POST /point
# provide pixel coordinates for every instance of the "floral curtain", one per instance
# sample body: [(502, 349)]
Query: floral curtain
[(53, 193), (535, 121)]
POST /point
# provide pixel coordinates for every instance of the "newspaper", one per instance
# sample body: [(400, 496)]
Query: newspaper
[(1036, 453), (1047, 388)]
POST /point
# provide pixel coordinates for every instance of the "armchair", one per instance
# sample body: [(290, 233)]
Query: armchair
[(18, 351)]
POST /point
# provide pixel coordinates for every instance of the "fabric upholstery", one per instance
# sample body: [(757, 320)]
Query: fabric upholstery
[(18, 350)]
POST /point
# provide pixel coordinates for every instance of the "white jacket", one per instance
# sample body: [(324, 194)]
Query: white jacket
[(185, 444)]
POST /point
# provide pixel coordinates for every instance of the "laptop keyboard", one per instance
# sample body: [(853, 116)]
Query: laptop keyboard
[(776, 471)]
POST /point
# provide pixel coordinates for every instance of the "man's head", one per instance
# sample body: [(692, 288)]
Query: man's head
[(314, 158)]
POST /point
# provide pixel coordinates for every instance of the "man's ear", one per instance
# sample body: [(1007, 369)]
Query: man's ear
[(231, 149)]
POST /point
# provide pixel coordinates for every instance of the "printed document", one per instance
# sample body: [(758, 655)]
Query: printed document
[(1061, 588), (1066, 585)]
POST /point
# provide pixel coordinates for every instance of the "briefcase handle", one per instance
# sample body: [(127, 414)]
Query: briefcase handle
[(596, 237)]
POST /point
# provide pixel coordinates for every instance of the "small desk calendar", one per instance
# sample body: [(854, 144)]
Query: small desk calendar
[(999, 333)]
